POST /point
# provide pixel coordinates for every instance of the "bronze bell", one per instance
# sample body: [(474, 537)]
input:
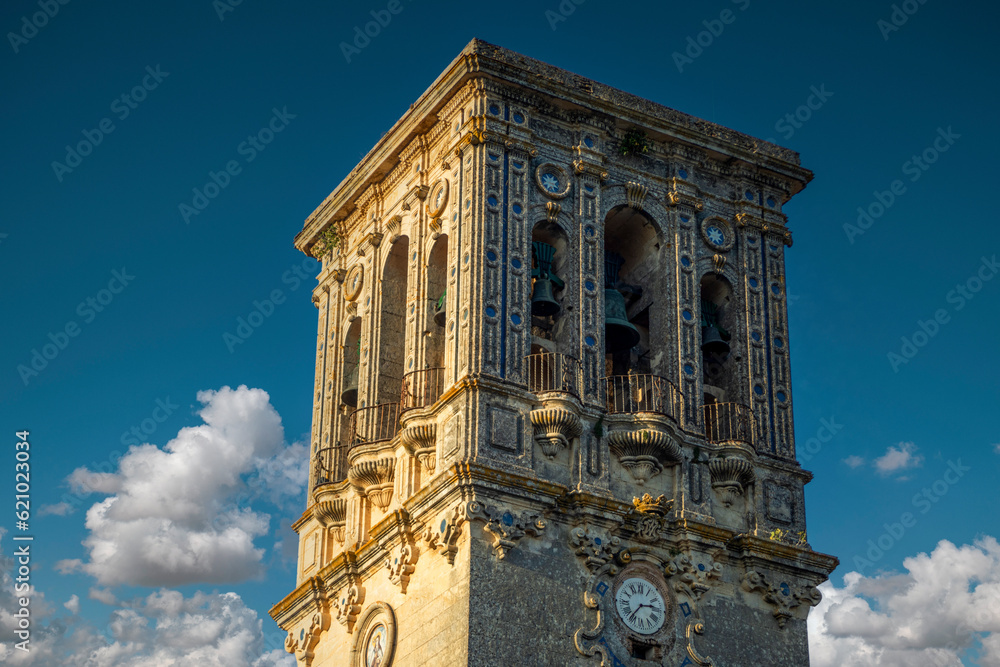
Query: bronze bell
[(350, 393), (619, 333), (543, 301), (440, 316), (713, 345)]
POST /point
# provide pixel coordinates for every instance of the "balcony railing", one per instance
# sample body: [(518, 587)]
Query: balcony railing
[(642, 393), (331, 465), (550, 371), (729, 422), (377, 423), (421, 388)]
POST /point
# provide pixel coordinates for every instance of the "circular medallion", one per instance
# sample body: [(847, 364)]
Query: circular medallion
[(552, 180), (640, 606), (375, 646), (717, 233), (438, 198), (353, 283)]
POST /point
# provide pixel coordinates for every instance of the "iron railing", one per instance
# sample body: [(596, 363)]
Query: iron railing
[(331, 465), (642, 393), (729, 422), (551, 371), (377, 423), (421, 388)]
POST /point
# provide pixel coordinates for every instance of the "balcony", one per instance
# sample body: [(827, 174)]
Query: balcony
[(553, 372), (628, 394), (331, 465), (421, 389), (729, 422), (378, 423)]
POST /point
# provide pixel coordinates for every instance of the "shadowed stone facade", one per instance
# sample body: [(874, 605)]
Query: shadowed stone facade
[(552, 413)]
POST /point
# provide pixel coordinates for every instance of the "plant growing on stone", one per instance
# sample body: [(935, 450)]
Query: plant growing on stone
[(635, 142), (328, 240)]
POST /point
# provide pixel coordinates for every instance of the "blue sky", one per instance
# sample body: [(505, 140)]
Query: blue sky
[(167, 287)]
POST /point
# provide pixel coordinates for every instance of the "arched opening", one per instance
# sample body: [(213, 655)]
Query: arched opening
[(549, 271), (717, 324), (437, 276), (392, 325)]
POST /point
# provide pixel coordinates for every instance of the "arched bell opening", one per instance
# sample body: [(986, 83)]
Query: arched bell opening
[(549, 272), (437, 277), (632, 284), (717, 324), (351, 365), (392, 324)]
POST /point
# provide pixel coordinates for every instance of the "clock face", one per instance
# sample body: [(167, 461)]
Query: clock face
[(715, 235), (550, 182), (640, 606)]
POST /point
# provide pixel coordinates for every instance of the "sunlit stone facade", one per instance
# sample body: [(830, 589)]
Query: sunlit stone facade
[(552, 419)]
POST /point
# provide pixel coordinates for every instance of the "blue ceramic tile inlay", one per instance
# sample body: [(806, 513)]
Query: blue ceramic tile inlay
[(683, 173), (492, 256), (590, 341), (491, 311), (516, 263)]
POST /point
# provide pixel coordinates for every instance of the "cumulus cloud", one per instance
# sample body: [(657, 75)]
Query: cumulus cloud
[(178, 514), (898, 458), (73, 604), (947, 602), (854, 461), (58, 509)]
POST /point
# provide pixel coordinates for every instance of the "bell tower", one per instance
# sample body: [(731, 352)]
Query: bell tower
[(552, 419)]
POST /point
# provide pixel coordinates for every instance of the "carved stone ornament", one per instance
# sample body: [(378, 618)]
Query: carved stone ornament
[(394, 227), (419, 441), (731, 476), (505, 526), (644, 452), (782, 596), (635, 195), (554, 429), (332, 515), (552, 210), (374, 479), (303, 641), (696, 628), (401, 564), (552, 180), (443, 539), (690, 578), (438, 200), (346, 606), (353, 283), (594, 548), (650, 518)]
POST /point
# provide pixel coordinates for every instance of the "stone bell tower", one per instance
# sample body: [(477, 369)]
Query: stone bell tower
[(552, 419)]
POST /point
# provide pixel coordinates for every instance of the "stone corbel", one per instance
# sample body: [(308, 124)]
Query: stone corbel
[(394, 227), (635, 195), (644, 452), (332, 515), (419, 442), (693, 580), (402, 558), (731, 476), (505, 526), (783, 596), (374, 479), (554, 429), (552, 210), (444, 540), (303, 642), (596, 549)]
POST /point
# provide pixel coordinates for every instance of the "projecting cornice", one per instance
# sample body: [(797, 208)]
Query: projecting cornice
[(480, 60)]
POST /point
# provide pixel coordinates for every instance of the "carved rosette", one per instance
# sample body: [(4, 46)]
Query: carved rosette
[(782, 596), (304, 640), (730, 477), (644, 452), (505, 526), (554, 429), (419, 441), (374, 479), (332, 515)]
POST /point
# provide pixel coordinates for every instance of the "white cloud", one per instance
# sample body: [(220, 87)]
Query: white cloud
[(854, 461), (947, 601), (58, 509), (73, 604), (898, 458), (177, 514)]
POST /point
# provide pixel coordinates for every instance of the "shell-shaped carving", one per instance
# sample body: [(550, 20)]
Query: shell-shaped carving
[(418, 437), (644, 452), (731, 469), (635, 194), (554, 429), (331, 512), (374, 478)]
